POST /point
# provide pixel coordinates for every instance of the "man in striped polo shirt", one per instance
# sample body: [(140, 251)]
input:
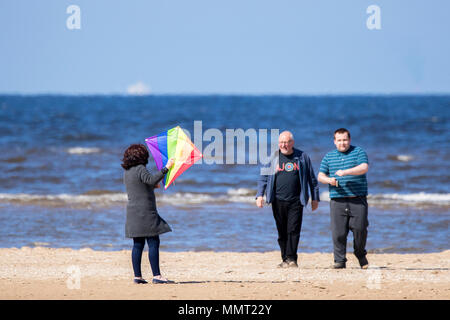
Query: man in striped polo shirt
[(344, 170)]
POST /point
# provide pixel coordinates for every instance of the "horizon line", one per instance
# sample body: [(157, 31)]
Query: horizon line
[(298, 94)]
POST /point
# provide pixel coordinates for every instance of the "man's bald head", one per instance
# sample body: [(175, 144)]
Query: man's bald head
[(287, 135), (286, 142)]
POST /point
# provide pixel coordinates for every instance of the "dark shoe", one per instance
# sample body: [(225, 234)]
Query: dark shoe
[(339, 265), (140, 281), (364, 263), (283, 265), (292, 264)]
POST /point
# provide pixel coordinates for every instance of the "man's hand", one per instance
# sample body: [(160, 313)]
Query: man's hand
[(341, 173), (332, 181), (260, 202), (314, 204), (157, 186)]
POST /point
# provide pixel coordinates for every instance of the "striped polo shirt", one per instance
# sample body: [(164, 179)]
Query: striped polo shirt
[(349, 186)]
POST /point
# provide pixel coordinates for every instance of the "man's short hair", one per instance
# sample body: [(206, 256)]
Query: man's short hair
[(341, 131)]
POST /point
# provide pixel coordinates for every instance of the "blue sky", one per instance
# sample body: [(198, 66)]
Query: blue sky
[(225, 47)]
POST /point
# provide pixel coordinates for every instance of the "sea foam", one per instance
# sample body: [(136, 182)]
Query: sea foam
[(240, 195), (408, 199), (83, 150)]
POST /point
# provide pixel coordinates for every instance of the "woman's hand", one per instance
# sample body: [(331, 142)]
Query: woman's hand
[(170, 163)]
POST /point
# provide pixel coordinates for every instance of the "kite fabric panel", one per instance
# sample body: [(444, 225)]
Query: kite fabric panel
[(173, 143)]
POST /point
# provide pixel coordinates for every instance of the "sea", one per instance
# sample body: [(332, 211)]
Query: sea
[(61, 183)]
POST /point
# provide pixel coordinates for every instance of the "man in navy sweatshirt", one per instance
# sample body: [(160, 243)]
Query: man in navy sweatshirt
[(287, 181)]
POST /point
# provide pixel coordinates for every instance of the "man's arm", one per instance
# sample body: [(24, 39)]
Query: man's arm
[(262, 185), (355, 171), (323, 178), (323, 173), (313, 185)]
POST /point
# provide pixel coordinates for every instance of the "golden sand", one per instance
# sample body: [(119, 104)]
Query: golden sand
[(46, 273)]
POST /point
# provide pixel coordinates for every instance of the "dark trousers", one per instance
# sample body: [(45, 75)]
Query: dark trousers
[(153, 254), (288, 218), (349, 214)]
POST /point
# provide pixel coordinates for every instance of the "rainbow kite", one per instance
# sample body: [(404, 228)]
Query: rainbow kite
[(173, 144)]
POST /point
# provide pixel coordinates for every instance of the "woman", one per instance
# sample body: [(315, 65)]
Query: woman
[(143, 222)]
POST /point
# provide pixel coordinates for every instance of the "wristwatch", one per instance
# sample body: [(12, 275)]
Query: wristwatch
[(164, 170)]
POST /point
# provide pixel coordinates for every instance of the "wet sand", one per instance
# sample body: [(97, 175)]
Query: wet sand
[(47, 273)]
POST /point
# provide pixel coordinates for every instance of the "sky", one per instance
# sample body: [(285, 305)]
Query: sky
[(224, 47)]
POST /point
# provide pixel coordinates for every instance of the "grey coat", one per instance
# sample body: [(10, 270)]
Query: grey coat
[(143, 219)]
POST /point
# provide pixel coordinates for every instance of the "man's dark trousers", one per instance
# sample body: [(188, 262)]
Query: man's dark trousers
[(288, 218), (349, 214)]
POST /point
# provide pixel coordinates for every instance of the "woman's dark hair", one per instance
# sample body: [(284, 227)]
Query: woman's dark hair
[(136, 154)]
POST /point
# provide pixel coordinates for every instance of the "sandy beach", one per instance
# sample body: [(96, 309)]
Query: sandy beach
[(47, 273)]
